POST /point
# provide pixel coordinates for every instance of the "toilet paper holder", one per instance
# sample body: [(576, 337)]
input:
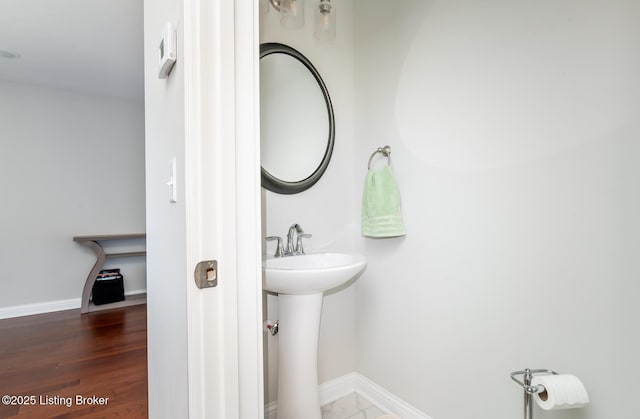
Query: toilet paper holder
[(529, 390)]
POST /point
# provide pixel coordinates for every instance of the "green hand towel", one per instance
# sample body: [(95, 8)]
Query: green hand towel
[(381, 210)]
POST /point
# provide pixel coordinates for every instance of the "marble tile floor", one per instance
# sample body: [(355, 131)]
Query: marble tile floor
[(352, 406)]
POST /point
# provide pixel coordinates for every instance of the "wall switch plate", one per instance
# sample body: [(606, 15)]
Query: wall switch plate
[(172, 184)]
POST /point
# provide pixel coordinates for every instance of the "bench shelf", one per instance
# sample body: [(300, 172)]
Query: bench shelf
[(93, 242)]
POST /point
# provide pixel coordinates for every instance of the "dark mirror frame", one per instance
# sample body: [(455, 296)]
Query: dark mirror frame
[(271, 182)]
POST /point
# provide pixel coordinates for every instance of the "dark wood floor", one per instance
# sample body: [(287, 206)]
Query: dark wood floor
[(66, 354)]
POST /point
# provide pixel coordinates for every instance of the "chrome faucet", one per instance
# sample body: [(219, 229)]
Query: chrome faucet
[(294, 231)]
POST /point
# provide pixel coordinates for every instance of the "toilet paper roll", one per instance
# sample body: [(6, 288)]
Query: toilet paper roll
[(562, 391)]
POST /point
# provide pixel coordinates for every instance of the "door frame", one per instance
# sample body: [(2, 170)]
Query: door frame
[(223, 208)]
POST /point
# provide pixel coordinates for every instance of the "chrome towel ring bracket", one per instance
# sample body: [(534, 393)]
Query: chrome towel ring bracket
[(386, 151)]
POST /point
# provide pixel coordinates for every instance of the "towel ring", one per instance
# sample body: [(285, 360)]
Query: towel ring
[(386, 151)]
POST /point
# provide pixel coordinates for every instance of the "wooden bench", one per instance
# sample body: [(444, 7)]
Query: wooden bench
[(93, 242)]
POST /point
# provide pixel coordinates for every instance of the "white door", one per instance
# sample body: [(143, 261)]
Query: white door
[(205, 345)]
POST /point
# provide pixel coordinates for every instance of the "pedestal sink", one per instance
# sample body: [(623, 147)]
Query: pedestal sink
[(300, 282)]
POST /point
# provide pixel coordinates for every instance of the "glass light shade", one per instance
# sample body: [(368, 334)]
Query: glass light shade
[(264, 7), (292, 13), (325, 21)]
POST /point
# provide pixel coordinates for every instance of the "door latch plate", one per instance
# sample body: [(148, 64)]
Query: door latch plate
[(206, 274)]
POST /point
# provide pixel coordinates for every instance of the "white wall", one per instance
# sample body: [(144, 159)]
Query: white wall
[(515, 144), (323, 210), (73, 164), (166, 231)]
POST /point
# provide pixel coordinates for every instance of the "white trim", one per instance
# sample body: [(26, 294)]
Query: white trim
[(387, 401), (209, 153), (48, 306), (39, 308), (335, 389), (222, 176), (191, 54), (248, 209)]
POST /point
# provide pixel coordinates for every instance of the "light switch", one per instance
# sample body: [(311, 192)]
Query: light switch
[(167, 50), (172, 183)]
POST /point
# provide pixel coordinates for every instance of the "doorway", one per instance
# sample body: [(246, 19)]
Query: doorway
[(72, 112)]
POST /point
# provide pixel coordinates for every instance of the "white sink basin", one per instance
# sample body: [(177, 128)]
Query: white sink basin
[(311, 273)]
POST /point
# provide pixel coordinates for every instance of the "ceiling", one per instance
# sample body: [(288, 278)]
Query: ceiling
[(89, 46)]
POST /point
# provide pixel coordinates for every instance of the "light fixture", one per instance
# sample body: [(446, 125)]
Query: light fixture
[(264, 7), (291, 12), (292, 16), (325, 21)]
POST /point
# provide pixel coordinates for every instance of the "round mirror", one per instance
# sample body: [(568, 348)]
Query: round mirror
[(297, 128)]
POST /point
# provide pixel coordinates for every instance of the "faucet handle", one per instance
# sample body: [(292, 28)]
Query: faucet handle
[(299, 248), (279, 249)]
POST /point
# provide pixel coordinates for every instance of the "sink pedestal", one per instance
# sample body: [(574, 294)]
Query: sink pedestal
[(300, 282), (299, 319)]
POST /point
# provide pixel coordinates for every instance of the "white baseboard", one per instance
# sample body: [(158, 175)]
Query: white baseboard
[(335, 389), (340, 387), (39, 308), (47, 307), (387, 401)]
